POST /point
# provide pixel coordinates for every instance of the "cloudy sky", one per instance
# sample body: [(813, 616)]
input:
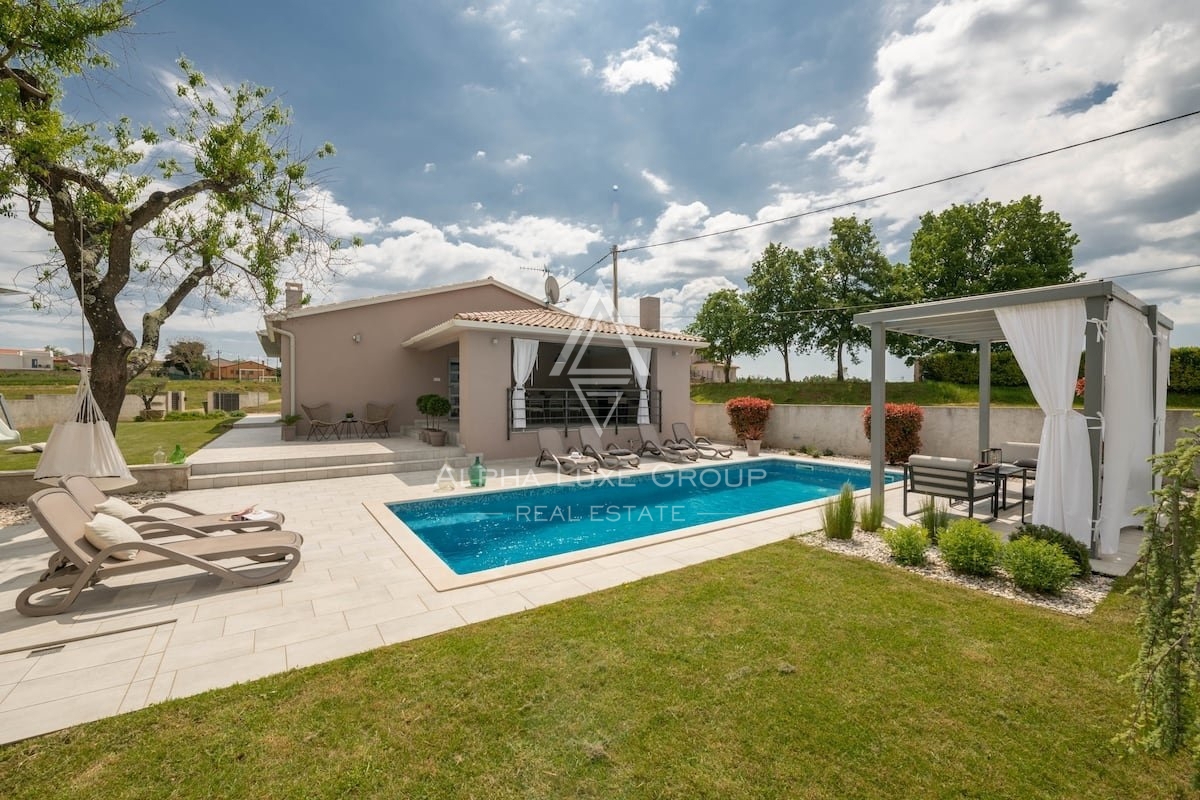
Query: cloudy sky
[(498, 138)]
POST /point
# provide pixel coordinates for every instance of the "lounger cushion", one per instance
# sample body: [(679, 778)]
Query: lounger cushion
[(104, 531), (116, 507), (22, 448)]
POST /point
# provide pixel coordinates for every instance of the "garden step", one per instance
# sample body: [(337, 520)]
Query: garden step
[(416, 453)]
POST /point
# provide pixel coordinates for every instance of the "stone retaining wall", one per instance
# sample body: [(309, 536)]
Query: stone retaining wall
[(18, 485)]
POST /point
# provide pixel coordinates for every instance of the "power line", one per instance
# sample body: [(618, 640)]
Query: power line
[(893, 192), (597, 263)]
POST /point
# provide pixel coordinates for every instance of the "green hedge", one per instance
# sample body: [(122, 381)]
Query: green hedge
[(1185, 370), (963, 368)]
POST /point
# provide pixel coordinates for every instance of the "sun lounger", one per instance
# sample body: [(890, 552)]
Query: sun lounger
[(666, 449), (701, 444), (567, 459), (93, 500), (613, 457), (80, 564)]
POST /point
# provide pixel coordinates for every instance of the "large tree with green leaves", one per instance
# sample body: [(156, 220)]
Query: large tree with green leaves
[(724, 322), (852, 275), (984, 247), (783, 292), (217, 204)]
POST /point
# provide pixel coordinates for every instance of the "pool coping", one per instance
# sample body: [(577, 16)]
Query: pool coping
[(442, 578)]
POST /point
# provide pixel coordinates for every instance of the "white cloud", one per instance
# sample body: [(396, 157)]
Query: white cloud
[(519, 160), (651, 61), (800, 133), (518, 189), (430, 167), (480, 155), (538, 237), (656, 183), (586, 66)]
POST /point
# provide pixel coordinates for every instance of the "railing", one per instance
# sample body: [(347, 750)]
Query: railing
[(566, 408)]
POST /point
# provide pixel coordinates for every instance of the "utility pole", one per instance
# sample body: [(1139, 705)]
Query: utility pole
[(616, 315)]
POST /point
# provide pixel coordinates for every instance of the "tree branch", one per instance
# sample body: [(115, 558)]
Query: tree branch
[(58, 172), (159, 202)]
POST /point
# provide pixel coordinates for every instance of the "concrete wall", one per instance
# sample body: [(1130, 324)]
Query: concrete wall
[(948, 430), (33, 411), (18, 485)]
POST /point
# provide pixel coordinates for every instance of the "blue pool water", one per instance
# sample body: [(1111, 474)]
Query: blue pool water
[(481, 531)]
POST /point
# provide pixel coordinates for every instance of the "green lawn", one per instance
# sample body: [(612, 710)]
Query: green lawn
[(783, 672), (137, 440), (19, 384), (926, 393)]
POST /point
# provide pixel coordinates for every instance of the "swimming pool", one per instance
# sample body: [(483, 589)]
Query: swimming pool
[(483, 531)]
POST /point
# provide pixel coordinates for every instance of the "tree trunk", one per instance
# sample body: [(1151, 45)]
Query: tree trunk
[(841, 374), (728, 366), (787, 368), (109, 378)]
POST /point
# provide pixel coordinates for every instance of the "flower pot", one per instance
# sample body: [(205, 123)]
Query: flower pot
[(753, 446), (436, 438), (287, 433)]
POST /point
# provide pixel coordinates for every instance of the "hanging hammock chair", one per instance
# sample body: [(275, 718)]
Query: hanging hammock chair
[(84, 446), (8, 432)]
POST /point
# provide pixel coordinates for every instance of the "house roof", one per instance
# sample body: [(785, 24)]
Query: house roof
[(293, 313), (546, 320)]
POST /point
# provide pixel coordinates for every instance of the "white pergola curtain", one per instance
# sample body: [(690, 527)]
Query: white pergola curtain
[(1128, 434), (1046, 339), (640, 356), (524, 361)]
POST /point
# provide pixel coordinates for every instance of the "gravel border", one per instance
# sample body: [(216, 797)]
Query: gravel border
[(1079, 599), (18, 513)]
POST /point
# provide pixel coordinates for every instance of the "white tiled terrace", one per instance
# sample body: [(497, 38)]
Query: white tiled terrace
[(132, 642)]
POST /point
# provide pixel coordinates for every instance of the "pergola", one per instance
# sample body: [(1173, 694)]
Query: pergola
[(1126, 345)]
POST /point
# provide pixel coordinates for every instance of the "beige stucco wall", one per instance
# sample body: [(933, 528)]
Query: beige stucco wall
[(333, 368), (948, 430)]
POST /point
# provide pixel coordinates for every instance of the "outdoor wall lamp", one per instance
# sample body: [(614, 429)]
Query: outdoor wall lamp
[(357, 338)]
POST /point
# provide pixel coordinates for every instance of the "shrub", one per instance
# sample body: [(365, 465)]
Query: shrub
[(1036, 565), (837, 516), (969, 547), (902, 430), (870, 515), (908, 544), (934, 519), (963, 368), (1076, 550), (748, 416), (1185, 370)]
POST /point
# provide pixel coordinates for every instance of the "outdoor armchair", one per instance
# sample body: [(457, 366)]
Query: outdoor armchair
[(79, 564), (375, 420), (322, 425), (701, 444)]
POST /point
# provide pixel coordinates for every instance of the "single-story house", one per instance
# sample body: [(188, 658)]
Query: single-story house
[(30, 359), (223, 369), (711, 372), (508, 362)]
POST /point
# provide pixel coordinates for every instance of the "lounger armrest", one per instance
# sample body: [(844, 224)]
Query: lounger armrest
[(148, 525), (191, 512)]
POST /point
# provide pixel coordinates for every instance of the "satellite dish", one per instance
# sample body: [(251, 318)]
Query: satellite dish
[(551, 289)]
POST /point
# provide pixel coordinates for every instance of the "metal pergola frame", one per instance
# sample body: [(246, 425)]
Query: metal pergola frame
[(972, 320)]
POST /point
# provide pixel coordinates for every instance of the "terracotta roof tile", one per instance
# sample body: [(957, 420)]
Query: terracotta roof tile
[(561, 320)]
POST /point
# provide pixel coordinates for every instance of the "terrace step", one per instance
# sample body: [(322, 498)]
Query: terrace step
[(416, 453), (245, 474)]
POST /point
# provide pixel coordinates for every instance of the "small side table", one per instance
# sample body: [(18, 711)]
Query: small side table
[(349, 426)]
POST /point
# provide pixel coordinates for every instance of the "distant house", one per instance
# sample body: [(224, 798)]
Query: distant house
[(28, 360), (508, 362), (709, 372), (220, 369), (75, 361)]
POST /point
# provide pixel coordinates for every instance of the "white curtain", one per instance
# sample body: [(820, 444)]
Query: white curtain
[(1046, 339), (525, 353), (640, 358), (1160, 394), (1128, 422), (84, 446)]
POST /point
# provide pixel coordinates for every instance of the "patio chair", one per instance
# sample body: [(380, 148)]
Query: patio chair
[(701, 444), (567, 459), (613, 457), (80, 564), (375, 420), (94, 500), (322, 425), (666, 449)]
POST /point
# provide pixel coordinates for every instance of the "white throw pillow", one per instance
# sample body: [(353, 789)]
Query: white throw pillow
[(116, 507), (104, 531)]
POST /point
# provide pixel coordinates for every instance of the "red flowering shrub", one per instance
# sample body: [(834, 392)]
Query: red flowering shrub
[(748, 416), (1080, 386), (902, 430)]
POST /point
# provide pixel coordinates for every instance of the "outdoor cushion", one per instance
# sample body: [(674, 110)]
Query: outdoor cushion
[(103, 531), (116, 507), (22, 448)]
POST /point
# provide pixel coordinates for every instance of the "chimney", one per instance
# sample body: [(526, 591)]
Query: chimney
[(293, 295), (650, 311)]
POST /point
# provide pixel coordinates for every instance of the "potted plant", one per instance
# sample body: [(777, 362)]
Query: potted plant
[(748, 417), (288, 432), (437, 407), (423, 409)]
